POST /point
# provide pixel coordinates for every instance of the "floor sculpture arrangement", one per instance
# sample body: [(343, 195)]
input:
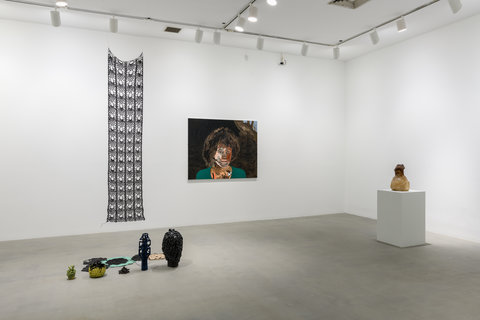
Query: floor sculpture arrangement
[(323, 267), (172, 244)]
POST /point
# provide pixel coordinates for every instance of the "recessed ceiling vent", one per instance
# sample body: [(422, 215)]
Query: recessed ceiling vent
[(172, 29), (352, 4)]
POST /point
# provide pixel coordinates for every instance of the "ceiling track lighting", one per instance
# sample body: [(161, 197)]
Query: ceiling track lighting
[(253, 14), (240, 27), (336, 52), (396, 20), (61, 4), (401, 24), (374, 37), (216, 37), (198, 35), (455, 5), (260, 42), (113, 25), (304, 51), (55, 18)]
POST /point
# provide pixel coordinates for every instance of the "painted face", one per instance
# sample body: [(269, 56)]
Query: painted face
[(223, 156)]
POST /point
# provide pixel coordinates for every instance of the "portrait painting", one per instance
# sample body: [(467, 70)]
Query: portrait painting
[(222, 149)]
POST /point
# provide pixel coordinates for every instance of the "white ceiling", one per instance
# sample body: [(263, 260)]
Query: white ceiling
[(305, 20)]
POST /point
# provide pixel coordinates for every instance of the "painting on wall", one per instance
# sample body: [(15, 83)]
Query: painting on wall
[(222, 149)]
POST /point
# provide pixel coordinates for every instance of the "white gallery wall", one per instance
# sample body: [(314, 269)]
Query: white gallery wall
[(53, 131), (330, 133), (418, 103)]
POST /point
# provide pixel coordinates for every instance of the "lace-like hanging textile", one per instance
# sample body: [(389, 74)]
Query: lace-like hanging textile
[(125, 126)]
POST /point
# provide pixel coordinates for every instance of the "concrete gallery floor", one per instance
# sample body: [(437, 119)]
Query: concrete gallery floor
[(323, 267)]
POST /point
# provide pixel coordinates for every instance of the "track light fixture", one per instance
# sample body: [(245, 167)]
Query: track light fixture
[(272, 2), (198, 36), (455, 5), (55, 18), (253, 13), (260, 42), (113, 25), (304, 49), (216, 37), (401, 24), (61, 4), (374, 37), (336, 52), (240, 24)]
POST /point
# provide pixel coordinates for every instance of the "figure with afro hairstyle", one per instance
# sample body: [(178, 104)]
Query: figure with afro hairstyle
[(220, 148)]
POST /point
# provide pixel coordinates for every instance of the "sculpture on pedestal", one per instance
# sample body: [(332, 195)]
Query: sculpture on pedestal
[(172, 246), (400, 182), (144, 250)]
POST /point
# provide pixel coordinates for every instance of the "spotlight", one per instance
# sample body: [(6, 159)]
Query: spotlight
[(283, 61), (240, 24), (61, 4), (113, 25), (336, 52), (55, 18), (304, 49), (260, 41), (216, 37), (374, 36), (252, 14), (401, 24), (455, 5), (272, 2), (198, 36)]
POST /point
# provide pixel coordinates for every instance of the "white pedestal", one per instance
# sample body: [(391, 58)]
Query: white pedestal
[(401, 217)]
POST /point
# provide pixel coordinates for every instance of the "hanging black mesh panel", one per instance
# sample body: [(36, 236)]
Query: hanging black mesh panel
[(125, 126)]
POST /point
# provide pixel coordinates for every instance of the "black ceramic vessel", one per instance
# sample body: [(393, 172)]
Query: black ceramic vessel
[(144, 250), (172, 246)]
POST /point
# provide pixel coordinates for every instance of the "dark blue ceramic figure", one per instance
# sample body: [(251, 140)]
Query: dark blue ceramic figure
[(172, 246), (144, 250)]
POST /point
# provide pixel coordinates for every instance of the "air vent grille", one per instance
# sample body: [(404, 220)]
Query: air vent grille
[(352, 4), (172, 29)]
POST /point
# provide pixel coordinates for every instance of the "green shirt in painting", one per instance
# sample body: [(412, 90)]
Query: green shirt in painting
[(236, 173)]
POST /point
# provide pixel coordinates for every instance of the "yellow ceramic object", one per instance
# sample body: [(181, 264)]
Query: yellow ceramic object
[(96, 272)]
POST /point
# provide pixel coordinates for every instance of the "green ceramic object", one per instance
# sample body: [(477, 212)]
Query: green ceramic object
[(71, 273), (97, 269)]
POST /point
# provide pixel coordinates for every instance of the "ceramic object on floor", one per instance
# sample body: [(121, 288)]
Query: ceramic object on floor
[(144, 250), (118, 262), (172, 247), (71, 272), (124, 270), (156, 256), (97, 270)]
